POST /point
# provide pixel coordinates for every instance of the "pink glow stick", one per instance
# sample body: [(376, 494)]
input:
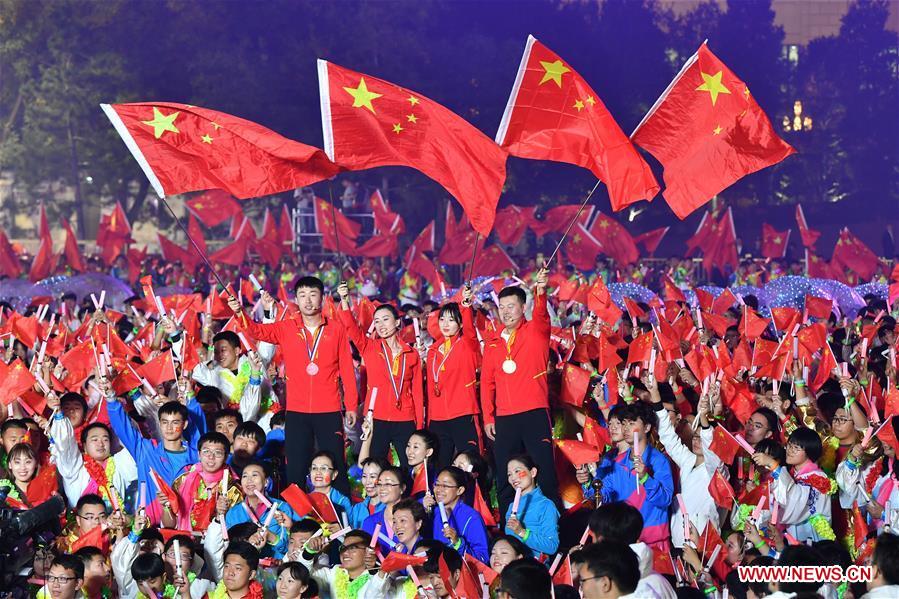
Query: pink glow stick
[(791, 539), (342, 532), (375, 535), (683, 509), (744, 444), (270, 515), (867, 438), (262, 498), (757, 510), (795, 348), (584, 536), (639, 453), (114, 500), (371, 400), (411, 572), (143, 495), (775, 509), (713, 557), (225, 476), (555, 564), (517, 501)]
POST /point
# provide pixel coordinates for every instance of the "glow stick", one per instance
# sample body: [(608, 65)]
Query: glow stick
[(374, 537), (867, 438), (652, 361), (114, 500), (159, 307), (225, 476), (102, 299), (177, 545), (861, 487), (342, 532), (791, 539), (699, 318), (637, 452), (387, 540), (795, 348), (516, 501), (43, 384), (683, 509), (95, 302), (417, 328), (555, 564), (262, 498), (270, 515), (443, 515), (244, 342), (411, 572), (757, 510), (371, 400), (255, 282), (775, 509), (143, 495), (744, 444)]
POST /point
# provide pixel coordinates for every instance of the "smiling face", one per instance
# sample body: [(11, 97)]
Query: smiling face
[(321, 471), (370, 475), (96, 444), (22, 467), (502, 555), (226, 355), (446, 491), (417, 451), (734, 547), (511, 311), (253, 479), (385, 324), (405, 526), (309, 301), (756, 429), (289, 587), (212, 456), (352, 553), (389, 488), (520, 477), (842, 426)]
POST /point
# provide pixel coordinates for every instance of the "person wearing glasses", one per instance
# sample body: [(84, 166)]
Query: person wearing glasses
[(197, 488), (802, 490), (254, 478), (391, 489), (191, 565), (64, 579), (322, 473), (354, 577), (463, 529), (608, 570), (90, 512)]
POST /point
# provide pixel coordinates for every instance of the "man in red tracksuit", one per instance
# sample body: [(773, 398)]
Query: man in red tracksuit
[(317, 355), (514, 393)]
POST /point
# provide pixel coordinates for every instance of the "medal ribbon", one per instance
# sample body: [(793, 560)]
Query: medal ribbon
[(437, 368), (316, 339), (510, 343), (402, 373)]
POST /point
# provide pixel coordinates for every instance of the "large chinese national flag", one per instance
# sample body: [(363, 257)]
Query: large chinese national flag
[(369, 122), (338, 232), (852, 253), (553, 114), (774, 242), (187, 148), (708, 132), (616, 241), (214, 207)]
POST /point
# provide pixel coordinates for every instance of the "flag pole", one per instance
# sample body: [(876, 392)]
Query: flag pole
[(474, 254), (571, 224), (197, 248)]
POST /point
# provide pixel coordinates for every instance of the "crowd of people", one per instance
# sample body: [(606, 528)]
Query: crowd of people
[(306, 433)]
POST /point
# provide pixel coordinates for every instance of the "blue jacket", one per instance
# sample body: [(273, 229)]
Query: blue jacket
[(360, 511), (541, 518), (369, 526), (469, 527), (655, 494), (149, 453), (238, 515)]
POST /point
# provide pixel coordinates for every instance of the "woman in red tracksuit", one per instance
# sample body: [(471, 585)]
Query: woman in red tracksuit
[(394, 369), (452, 369)]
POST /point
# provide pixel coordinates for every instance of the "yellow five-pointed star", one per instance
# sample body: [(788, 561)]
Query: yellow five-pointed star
[(397, 128), (412, 100), (746, 92), (162, 123), (579, 105), (412, 118), (777, 240), (577, 238), (553, 71), (206, 139), (713, 85), (590, 100), (361, 96), (215, 125), (717, 130)]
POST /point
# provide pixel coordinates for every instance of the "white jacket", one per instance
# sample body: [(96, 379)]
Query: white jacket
[(652, 585)]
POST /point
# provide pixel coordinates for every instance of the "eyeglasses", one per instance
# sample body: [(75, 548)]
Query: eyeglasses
[(380, 484), (61, 579), (92, 517), (444, 486), (351, 547), (793, 447), (321, 469), (212, 453), (840, 420), (583, 580), (185, 557)]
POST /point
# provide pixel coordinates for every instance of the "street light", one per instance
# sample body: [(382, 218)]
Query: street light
[(799, 121)]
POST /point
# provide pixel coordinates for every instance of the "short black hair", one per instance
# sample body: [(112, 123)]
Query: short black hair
[(71, 396), (393, 311), (450, 556), (227, 413), (515, 542), (174, 408), (828, 404), (146, 566), (526, 578), (301, 573), (229, 336), (773, 449), (514, 291), (310, 282), (214, 437), (305, 525), (70, 562), (799, 555), (13, 423), (412, 505), (86, 554), (92, 426), (809, 441), (209, 394), (250, 429), (243, 531), (266, 467), (617, 521), (452, 310), (615, 560), (89, 499), (183, 540), (886, 557), (244, 550), (773, 421)]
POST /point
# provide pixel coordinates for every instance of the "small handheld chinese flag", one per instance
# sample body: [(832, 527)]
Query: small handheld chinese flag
[(708, 132)]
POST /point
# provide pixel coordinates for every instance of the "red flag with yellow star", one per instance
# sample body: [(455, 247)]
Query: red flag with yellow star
[(617, 242), (553, 114), (369, 122), (187, 148), (774, 242), (214, 207), (338, 232), (708, 132)]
